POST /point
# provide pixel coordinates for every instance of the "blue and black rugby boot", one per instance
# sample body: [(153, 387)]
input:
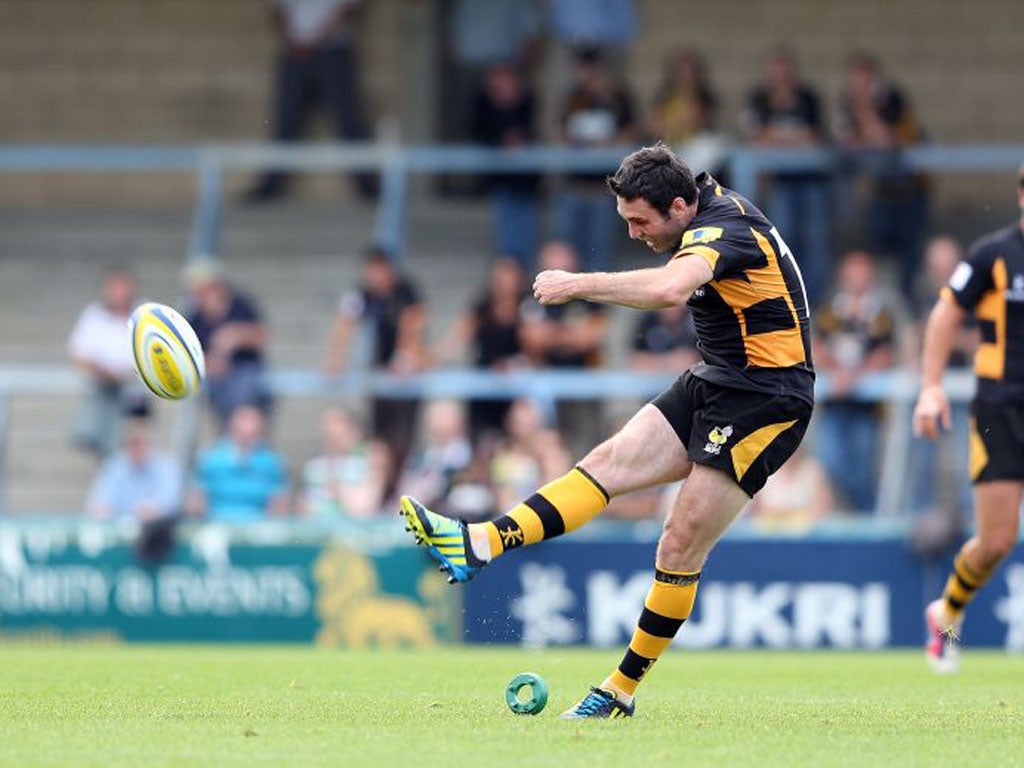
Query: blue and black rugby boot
[(598, 703), (446, 539)]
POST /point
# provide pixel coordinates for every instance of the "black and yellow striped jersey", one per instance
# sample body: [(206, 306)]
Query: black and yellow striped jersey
[(990, 284), (752, 321)]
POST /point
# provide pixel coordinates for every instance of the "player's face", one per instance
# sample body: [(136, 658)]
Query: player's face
[(645, 222)]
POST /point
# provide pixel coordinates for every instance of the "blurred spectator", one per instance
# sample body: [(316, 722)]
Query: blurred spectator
[(446, 453), (597, 112), (347, 479), (136, 483), (665, 340), (854, 338), (877, 119), (317, 66), (504, 116), (941, 256), (684, 104), (796, 496), (240, 479), (482, 36), (471, 497), (389, 305), (530, 455), (100, 346), (785, 112), (491, 330), (231, 331), (567, 336)]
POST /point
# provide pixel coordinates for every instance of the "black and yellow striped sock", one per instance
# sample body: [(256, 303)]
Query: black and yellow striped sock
[(667, 606), (962, 584), (561, 506)]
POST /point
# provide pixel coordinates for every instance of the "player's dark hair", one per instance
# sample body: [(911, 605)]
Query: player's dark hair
[(655, 174)]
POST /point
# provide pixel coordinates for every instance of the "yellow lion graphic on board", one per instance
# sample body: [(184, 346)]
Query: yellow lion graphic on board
[(354, 613)]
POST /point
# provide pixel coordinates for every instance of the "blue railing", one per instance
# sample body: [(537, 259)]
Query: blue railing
[(396, 163)]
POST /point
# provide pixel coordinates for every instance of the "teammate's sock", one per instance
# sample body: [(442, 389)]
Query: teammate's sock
[(961, 586), (561, 506), (667, 606)]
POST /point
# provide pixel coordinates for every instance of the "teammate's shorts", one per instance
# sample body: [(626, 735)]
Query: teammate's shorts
[(997, 441), (748, 435)]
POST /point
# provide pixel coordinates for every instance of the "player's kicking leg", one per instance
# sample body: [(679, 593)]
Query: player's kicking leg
[(645, 452), (997, 506)]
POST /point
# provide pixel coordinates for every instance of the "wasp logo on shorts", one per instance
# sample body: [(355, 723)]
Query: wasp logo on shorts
[(718, 437)]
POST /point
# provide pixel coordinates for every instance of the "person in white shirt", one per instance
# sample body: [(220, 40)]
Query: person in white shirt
[(100, 347)]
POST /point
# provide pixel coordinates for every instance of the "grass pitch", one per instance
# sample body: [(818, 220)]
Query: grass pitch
[(242, 706)]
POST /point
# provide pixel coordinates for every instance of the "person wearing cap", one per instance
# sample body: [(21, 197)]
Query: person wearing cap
[(231, 331)]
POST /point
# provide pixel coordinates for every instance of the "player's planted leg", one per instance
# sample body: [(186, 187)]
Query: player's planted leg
[(706, 506)]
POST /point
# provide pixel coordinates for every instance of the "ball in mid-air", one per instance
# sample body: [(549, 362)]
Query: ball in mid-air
[(167, 354), (537, 699)]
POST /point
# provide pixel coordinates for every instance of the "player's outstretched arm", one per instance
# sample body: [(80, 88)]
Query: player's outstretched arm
[(932, 410), (655, 288)]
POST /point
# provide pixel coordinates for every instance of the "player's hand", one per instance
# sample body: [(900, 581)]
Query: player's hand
[(931, 413), (554, 286)]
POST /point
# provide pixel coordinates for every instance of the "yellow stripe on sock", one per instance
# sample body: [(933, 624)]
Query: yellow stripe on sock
[(575, 497), (648, 645), (622, 683), (672, 600)]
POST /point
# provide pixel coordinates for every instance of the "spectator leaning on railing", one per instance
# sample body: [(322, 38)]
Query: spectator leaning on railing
[(597, 112), (389, 303), (784, 111), (854, 336), (569, 336), (504, 116), (230, 328), (877, 120), (100, 347), (240, 479), (491, 331)]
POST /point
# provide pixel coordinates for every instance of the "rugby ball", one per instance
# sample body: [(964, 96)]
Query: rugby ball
[(167, 354)]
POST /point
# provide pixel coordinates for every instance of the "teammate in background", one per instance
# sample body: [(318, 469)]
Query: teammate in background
[(725, 425), (990, 285)]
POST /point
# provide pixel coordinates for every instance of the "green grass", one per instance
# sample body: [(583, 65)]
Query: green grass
[(240, 706)]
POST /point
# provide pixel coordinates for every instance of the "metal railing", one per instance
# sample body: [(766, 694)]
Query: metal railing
[(396, 163)]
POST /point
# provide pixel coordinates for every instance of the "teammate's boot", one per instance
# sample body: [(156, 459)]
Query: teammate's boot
[(446, 539), (943, 647), (598, 703)]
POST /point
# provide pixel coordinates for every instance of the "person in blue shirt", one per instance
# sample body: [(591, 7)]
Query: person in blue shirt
[(136, 482), (240, 479)]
